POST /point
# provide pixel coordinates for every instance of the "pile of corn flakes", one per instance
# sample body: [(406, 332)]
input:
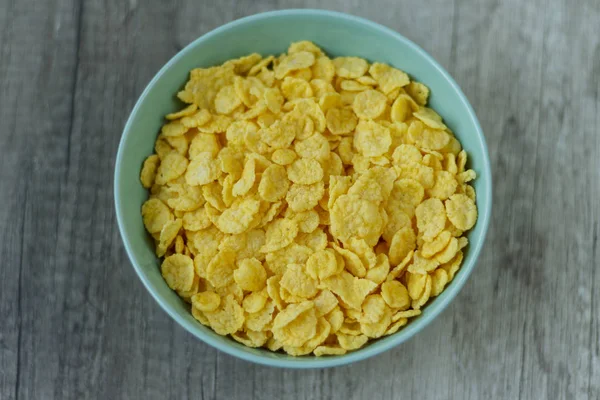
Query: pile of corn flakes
[(305, 203)]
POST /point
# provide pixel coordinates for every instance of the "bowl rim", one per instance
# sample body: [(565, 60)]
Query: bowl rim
[(435, 308)]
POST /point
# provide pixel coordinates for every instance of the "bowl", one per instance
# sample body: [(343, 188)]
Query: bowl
[(271, 33)]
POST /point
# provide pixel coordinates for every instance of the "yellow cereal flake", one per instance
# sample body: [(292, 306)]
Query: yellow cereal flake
[(352, 216), (304, 74), (431, 218), (418, 303), (397, 219), (297, 282), (255, 301), (167, 235), (283, 156), (350, 342), (354, 85), (293, 62), (377, 329), (387, 77), (323, 68), (422, 265), (379, 272), (352, 262), (365, 253), (372, 139), (305, 45), (239, 216), (185, 197), (436, 245), (402, 243), (250, 275), (351, 289), (219, 271), (315, 240), (256, 68), (149, 168), (227, 100), (439, 279), (178, 272), (296, 324), (430, 118), (206, 301), (369, 104), (187, 111), (246, 181), (200, 118), (316, 147), (304, 197), (406, 154), (218, 124), (171, 168), (350, 67), (330, 100), (305, 171), (202, 170), (280, 233), (325, 303), (320, 88), (373, 309), (155, 215), (294, 88), (204, 143), (452, 266), (445, 185), (228, 318), (329, 350), (274, 183), (304, 204), (461, 211), (341, 120), (448, 252), (427, 137), (294, 253), (418, 91), (250, 338), (173, 129), (307, 221), (395, 295), (205, 83), (243, 64), (416, 285)]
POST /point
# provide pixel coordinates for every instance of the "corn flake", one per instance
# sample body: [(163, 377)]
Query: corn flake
[(280, 233), (239, 216), (350, 67), (305, 204), (155, 215), (178, 272), (387, 77), (206, 301), (369, 104), (351, 289), (250, 275), (340, 120), (372, 139), (461, 211), (305, 171)]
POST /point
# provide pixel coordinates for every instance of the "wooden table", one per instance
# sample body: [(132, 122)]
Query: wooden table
[(76, 323)]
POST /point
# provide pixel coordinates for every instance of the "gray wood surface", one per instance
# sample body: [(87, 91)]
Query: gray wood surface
[(76, 323)]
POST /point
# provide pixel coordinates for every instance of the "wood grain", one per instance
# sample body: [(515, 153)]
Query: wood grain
[(77, 323)]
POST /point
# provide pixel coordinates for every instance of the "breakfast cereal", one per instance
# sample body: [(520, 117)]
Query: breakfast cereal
[(307, 204)]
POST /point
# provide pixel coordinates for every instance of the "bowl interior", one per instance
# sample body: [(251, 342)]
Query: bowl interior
[(271, 33)]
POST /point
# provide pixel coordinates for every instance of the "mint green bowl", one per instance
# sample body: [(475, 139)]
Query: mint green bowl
[(271, 33)]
